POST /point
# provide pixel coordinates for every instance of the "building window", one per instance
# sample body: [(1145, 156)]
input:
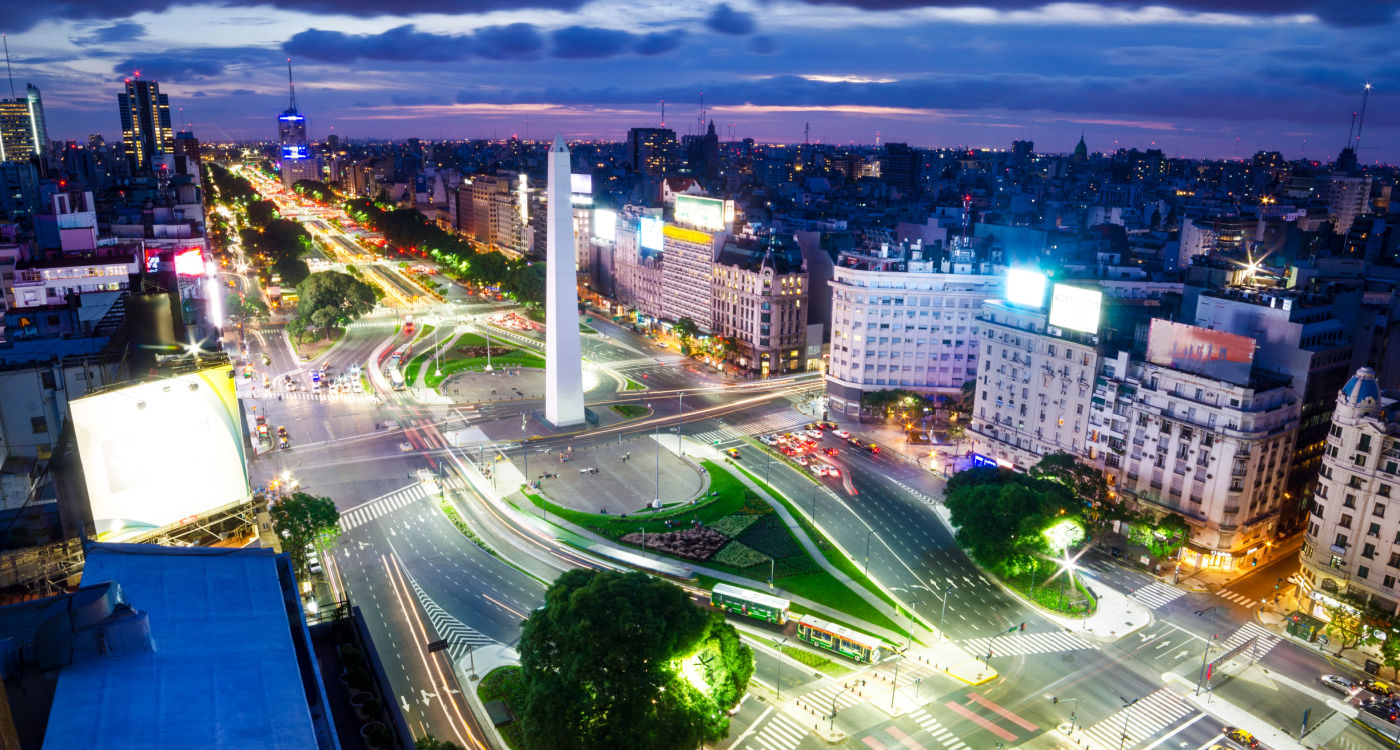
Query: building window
[(1390, 582), (1341, 541), (1364, 445), (1394, 560), (1363, 571), (1335, 562), (1374, 531), (1378, 511), (38, 425), (1345, 522), (1368, 551), (1349, 502)]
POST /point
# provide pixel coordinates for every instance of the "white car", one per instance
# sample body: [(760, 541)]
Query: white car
[(356, 387), (843, 434), (818, 469), (814, 434), (767, 439), (1341, 684)]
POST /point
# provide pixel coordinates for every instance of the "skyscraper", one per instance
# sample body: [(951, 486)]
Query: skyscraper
[(23, 133), (652, 151), (146, 127), (298, 163)]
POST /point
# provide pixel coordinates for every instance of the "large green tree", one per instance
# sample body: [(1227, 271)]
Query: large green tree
[(305, 520), (1001, 515), (342, 293), (626, 660)]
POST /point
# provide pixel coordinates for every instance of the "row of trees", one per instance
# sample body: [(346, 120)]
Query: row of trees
[(408, 229), (317, 191)]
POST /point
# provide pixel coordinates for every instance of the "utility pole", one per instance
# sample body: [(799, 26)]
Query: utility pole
[(680, 418), (781, 644), (1205, 652), (868, 534), (944, 611), (1127, 704), (657, 436)]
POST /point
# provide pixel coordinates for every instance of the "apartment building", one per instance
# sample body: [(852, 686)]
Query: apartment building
[(759, 298)]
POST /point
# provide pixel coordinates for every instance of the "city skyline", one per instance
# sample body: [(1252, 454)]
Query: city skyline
[(1184, 78)]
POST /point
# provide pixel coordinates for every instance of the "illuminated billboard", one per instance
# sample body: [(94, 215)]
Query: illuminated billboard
[(701, 213), (581, 184), (1075, 308), (159, 452), (1025, 287), (1216, 354), (605, 225), (189, 262), (650, 233), (296, 152)]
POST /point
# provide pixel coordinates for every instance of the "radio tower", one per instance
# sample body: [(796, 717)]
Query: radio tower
[(8, 71), (1361, 122), (291, 86), (806, 133), (663, 113)]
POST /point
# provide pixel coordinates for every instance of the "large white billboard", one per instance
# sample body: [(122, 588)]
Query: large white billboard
[(701, 213), (605, 224), (159, 452), (1025, 288), (650, 233), (581, 184), (1075, 308)]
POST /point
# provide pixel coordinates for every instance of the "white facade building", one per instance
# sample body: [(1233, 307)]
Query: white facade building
[(905, 316), (686, 271)]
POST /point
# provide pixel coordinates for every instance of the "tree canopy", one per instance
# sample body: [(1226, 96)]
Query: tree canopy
[(302, 519), (626, 660), (346, 296), (1001, 516), (316, 190)]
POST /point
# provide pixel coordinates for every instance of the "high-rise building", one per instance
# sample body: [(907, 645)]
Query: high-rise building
[(1352, 544), (146, 130), (760, 291), (904, 315), (652, 151), (298, 163), (23, 131)]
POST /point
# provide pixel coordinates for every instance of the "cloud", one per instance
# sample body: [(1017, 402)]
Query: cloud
[(585, 42), (517, 41), (1352, 14), (242, 92), (763, 45), (199, 93), (659, 42), (401, 43), (121, 31), (170, 68), (726, 20), (415, 100)]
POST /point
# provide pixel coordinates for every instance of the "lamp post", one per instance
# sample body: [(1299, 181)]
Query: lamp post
[(657, 437), (943, 611), (910, 609), (680, 418), (643, 529), (781, 643), (1127, 704), (856, 684), (1073, 712), (1205, 652), (868, 534)]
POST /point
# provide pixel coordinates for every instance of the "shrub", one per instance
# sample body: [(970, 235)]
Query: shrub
[(733, 525), (359, 678), (379, 735), (699, 543), (739, 555)]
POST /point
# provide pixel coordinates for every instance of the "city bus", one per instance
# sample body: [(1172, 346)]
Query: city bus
[(842, 640), (750, 603), (396, 361)]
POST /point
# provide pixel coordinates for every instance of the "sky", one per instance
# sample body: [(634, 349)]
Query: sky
[(1196, 78)]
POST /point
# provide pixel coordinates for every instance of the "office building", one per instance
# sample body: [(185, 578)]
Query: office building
[(653, 152), (639, 281), (1352, 542), (298, 162), (904, 315), (24, 133), (146, 131), (760, 295)]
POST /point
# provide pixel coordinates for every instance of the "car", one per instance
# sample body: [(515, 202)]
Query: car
[(843, 434), (732, 452), (405, 446), (801, 460), (832, 471), (768, 439), (873, 448), (817, 469), (830, 451), (1240, 737), (1380, 709), (814, 434), (1376, 687), (1339, 683), (356, 387)]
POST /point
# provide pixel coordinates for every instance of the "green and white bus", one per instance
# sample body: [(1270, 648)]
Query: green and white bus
[(842, 640), (750, 603)]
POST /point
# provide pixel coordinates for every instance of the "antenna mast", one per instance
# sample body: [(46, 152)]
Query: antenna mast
[(701, 131), (806, 133), (291, 86), (663, 115), (8, 70), (1360, 123)]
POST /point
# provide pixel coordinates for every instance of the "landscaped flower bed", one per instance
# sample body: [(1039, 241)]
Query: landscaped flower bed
[(699, 543)]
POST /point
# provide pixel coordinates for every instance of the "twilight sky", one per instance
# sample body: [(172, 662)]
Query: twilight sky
[(1191, 77)]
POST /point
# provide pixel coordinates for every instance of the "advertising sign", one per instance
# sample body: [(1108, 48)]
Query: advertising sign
[(1217, 354), (581, 184), (650, 233), (1025, 288), (604, 225), (701, 213), (157, 452), (1075, 308)]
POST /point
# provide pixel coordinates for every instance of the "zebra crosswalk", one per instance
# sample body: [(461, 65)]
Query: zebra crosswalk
[(778, 733), (459, 636), (1028, 643), (919, 495), (374, 324), (1239, 599), (823, 698), (1267, 638), (1148, 716), (1157, 594), (632, 363), (389, 503), (935, 728), (357, 398), (782, 422)]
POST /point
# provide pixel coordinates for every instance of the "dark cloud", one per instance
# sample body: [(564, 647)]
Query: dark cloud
[(121, 31), (517, 41), (399, 44), (1347, 14), (242, 92), (586, 42), (199, 93), (413, 100), (659, 42), (726, 20), (763, 45), (170, 68)]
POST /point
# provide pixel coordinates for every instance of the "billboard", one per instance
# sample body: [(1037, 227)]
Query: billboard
[(1025, 288), (581, 184), (649, 233), (604, 225), (161, 451), (189, 262), (1216, 354), (701, 213), (1075, 308), (296, 152)]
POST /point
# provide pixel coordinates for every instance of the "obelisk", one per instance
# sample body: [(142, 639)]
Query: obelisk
[(563, 370)]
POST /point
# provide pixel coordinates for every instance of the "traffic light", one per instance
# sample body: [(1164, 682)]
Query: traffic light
[(1277, 581)]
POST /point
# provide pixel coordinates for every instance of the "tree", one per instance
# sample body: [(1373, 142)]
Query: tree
[(429, 742), (685, 329), (323, 319), (957, 432), (1390, 653), (346, 295), (1001, 516), (296, 330), (626, 660), (1347, 621), (303, 520), (261, 213), (1086, 482), (292, 271)]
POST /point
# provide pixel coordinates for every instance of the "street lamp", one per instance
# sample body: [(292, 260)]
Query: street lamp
[(946, 590), (656, 435), (680, 418), (781, 644), (910, 608), (1073, 712), (868, 534), (643, 529), (1128, 705)]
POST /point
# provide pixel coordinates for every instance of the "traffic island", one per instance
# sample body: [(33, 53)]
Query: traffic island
[(619, 481)]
